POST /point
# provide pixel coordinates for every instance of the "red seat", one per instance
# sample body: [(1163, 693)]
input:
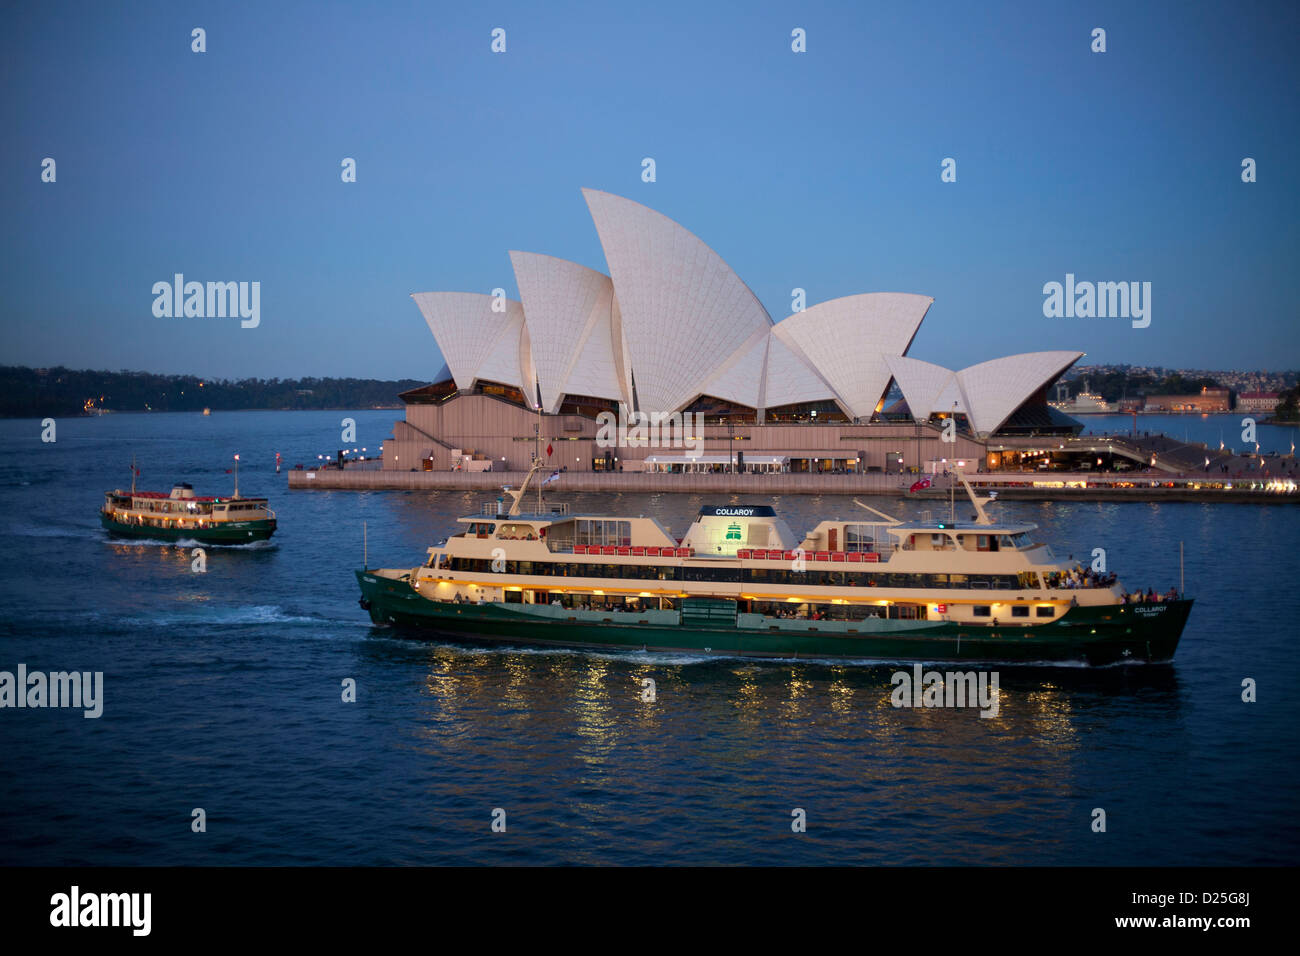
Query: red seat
[(579, 549), (870, 556), (608, 549), (822, 556), (838, 556), (788, 555), (653, 552), (743, 553), (623, 552), (855, 556), (638, 552)]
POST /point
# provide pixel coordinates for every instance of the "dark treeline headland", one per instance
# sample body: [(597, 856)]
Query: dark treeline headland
[(36, 393)]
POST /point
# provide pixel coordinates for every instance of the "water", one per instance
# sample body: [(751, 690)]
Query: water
[(222, 691), (1210, 429)]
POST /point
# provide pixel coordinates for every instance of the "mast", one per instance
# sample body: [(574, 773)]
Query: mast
[(981, 516), (517, 495), (133, 474), (236, 476)]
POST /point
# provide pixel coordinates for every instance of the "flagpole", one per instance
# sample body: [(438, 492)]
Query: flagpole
[(133, 474)]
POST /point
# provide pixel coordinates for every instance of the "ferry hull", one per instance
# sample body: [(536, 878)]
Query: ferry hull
[(1095, 635), (233, 532)]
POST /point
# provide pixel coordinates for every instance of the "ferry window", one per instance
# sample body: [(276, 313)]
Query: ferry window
[(1021, 540), (859, 537), (1044, 612), (983, 610), (1019, 610), (597, 531), (1004, 541)]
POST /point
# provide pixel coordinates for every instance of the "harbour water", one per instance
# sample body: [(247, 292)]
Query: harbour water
[(222, 691), (1210, 429)]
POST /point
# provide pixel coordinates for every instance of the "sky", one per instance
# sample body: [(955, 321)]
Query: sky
[(818, 170)]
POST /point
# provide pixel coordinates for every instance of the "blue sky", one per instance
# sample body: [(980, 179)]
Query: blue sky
[(818, 170)]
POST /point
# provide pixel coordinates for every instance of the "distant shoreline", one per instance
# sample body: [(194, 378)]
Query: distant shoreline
[(62, 393)]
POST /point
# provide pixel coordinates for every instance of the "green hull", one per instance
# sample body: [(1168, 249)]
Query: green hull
[(231, 532), (1092, 635)]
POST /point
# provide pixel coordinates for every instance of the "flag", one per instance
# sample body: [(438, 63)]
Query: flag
[(229, 470), (920, 485), (553, 477), (548, 449)]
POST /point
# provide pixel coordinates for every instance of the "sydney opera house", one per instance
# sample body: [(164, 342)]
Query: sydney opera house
[(670, 329)]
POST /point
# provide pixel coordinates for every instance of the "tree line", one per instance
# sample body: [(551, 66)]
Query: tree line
[(36, 393)]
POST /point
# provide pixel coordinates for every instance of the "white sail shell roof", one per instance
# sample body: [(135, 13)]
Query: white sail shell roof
[(788, 380), (685, 313), (741, 381), (926, 387), (469, 334), (675, 321), (567, 308), (847, 340), (997, 388), (502, 363)]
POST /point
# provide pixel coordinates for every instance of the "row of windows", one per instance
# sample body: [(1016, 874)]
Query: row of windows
[(837, 578), (1017, 610), (600, 531)]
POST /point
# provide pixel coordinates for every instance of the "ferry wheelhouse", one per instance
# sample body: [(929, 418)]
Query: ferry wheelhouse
[(740, 581)]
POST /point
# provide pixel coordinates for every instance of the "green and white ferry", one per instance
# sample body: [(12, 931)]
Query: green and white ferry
[(181, 515), (740, 582)]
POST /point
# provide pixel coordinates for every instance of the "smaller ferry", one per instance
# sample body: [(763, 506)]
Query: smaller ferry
[(182, 515)]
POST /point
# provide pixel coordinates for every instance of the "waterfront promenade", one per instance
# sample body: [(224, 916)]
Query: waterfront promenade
[(1009, 485)]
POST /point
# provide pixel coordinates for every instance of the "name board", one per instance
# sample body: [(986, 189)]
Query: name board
[(739, 511)]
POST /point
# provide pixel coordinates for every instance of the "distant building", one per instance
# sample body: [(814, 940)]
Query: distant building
[(1258, 401), (1208, 400)]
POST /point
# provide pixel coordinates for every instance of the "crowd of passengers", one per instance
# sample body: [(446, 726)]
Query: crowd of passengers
[(1080, 577), (1150, 597), (1085, 577)]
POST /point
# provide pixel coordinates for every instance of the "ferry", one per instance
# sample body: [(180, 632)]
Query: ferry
[(740, 582), (181, 515)]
